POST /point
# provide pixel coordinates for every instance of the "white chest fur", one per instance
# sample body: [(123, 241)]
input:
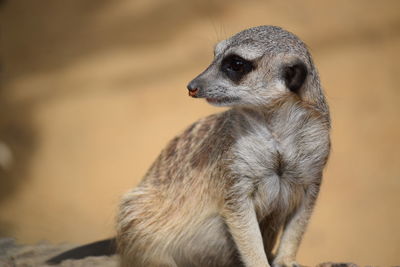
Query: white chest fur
[(278, 162)]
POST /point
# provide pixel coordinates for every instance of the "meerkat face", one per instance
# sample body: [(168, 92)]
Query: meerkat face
[(253, 68)]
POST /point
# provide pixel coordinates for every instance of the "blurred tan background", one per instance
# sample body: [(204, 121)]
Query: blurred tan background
[(91, 91)]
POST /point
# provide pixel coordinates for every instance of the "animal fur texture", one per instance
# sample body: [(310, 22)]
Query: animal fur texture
[(222, 191)]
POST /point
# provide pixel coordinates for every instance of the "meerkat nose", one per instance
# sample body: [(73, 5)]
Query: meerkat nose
[(193, 92), (192, 89)]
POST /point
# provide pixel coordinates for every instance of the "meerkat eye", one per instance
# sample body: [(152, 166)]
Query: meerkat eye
[(235, 67)]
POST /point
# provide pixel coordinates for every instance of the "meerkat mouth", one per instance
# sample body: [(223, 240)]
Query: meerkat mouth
[(222, 100)]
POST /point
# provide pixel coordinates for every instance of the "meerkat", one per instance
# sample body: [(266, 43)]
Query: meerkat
[(220, 192)]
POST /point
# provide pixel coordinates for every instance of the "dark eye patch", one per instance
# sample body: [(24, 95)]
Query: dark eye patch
[(236, 67)]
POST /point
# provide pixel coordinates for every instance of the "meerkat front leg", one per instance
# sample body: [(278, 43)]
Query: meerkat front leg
[(294, 230), (241, 219)]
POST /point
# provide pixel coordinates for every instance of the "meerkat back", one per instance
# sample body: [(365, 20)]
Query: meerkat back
[(221, 191)]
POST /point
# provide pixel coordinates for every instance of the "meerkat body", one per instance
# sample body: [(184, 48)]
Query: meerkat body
[(220, 192)]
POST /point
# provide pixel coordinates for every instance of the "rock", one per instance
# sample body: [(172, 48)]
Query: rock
[(13, 255)]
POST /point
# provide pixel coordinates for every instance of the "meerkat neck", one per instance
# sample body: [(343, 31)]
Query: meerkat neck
[(279, 104), (279, 114)]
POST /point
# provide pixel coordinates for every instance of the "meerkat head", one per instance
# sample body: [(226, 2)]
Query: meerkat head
[(254, 67)]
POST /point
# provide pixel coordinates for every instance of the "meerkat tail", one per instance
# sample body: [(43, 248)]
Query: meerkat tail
[(104, 247)]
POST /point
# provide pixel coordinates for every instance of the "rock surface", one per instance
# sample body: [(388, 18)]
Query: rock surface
[(14, 255)]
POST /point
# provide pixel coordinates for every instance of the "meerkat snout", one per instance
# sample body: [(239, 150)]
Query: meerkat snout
[(193, 89)]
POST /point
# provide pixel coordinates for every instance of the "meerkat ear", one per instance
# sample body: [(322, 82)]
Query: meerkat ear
[(295, 75)]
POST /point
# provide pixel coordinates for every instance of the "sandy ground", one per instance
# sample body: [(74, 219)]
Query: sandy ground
[(92, 90)]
